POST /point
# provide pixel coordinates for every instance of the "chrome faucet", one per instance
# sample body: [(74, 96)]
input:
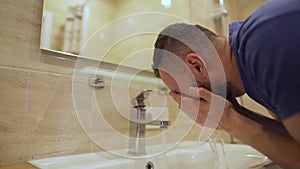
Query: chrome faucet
[(138, 124)]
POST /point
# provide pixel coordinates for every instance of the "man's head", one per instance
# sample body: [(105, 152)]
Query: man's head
[(181, 48)]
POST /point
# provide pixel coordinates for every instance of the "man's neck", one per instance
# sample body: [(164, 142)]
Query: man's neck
[(233, 74)]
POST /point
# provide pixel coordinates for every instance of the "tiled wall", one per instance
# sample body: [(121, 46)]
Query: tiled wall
[(37, 116), (36, 112)]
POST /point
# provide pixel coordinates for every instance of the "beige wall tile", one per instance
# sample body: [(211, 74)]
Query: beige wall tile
[(37, 116)]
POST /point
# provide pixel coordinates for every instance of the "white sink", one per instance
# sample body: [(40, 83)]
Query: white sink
[(192, 155)]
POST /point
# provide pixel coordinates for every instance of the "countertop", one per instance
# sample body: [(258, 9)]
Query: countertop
[(22, 165)]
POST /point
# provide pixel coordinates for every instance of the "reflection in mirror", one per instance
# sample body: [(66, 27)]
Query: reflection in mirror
[(68, 24)]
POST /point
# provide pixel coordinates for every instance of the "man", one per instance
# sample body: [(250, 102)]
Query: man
[(261, 57)]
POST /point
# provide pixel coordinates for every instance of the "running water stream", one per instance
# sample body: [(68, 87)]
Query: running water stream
[(164, 138), (219, 151)]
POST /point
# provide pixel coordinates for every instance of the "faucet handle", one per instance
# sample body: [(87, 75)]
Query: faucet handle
[(138, 101), (143, 95)]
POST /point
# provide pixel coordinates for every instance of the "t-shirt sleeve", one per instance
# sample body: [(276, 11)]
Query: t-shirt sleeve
[(273, 61)]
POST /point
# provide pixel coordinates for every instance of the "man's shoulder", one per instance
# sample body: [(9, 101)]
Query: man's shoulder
[(275, 8), (272, 25), (270, 11)]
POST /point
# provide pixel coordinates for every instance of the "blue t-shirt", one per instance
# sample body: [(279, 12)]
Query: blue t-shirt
[(267, 49)]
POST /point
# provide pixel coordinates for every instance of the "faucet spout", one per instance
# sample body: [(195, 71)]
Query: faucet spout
[(161, 124)]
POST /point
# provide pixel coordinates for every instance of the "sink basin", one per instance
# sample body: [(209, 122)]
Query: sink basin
[(185, 155)]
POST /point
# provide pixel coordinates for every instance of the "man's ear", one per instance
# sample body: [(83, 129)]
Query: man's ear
[(196, 64)]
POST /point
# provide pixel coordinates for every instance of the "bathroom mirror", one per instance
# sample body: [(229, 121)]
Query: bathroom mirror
[(68, 24)]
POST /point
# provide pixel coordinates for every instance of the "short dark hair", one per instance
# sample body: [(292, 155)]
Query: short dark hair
[(175, 46)]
